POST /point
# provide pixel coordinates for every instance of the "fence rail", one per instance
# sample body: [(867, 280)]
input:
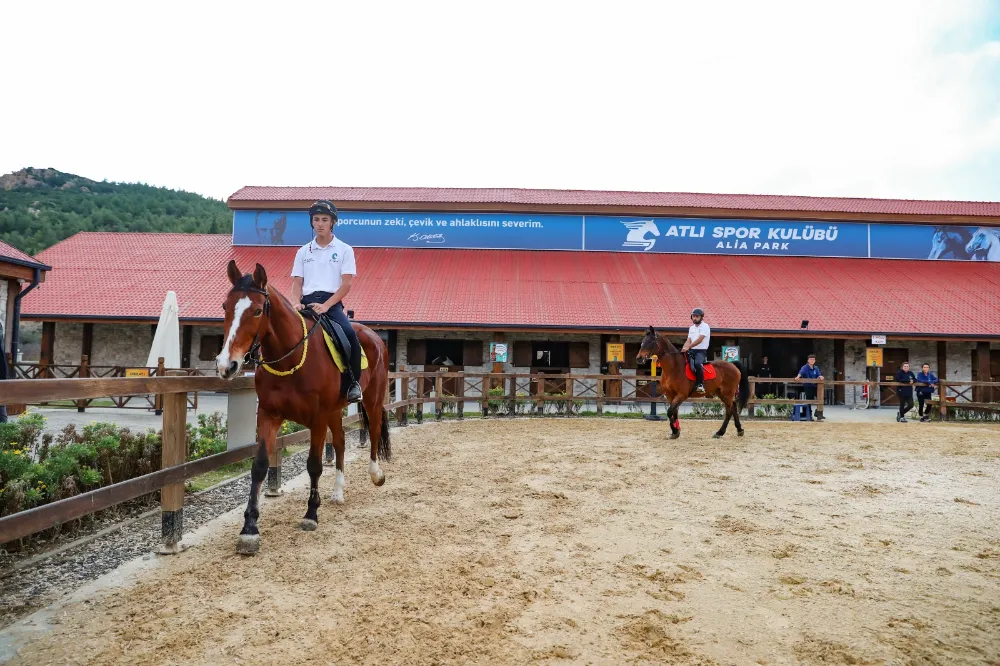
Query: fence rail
[(171, 388)]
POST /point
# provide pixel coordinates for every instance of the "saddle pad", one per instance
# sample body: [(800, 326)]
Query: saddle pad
[(708, 368), (336, 354)]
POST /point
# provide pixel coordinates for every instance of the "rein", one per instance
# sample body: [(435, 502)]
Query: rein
[(253, 355)]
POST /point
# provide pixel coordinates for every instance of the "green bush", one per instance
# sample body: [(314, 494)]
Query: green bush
[(766, 411)]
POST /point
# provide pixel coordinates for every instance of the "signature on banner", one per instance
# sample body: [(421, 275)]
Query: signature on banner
[(427, 238)]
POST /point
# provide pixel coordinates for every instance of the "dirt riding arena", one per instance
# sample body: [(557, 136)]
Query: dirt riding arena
[(593, 541)]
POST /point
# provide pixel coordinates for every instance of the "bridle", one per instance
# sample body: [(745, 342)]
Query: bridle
[(253, 355)]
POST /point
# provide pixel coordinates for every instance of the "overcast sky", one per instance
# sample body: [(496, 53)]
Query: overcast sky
[(868, 98)]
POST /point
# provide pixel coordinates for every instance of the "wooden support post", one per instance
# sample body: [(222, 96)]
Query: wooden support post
[(461, 397), (569, 394), (158, 398), (942, 394), (174, 453), (484, 399), (48, 349), (420, 399), (329, 460), (402, 394), (752, 397), (982, 393), (81, 405), (438, 391), (273, 488)]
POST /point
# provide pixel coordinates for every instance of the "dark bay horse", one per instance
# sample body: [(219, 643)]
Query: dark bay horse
[(675, 385), (301, 384)]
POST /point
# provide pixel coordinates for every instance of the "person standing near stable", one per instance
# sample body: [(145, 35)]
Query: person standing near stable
[(925, 393), (322, 275), (764, 370), (905, 393), (811, 371)]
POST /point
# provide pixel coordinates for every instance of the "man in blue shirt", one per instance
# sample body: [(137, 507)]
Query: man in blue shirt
[(811, 371), (925, 393), (905, 392)]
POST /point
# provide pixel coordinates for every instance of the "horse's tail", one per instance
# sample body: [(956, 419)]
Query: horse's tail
[(744, 387), (384, 443)]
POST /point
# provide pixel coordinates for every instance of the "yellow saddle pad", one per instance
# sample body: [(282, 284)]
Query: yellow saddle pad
[(336, 354)]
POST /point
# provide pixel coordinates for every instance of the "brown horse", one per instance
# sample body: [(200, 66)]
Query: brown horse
[(301, 384), (675, 385)]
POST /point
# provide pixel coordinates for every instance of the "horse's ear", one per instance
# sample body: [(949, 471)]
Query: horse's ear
[(260, 277), (651, 331), (233, 272)]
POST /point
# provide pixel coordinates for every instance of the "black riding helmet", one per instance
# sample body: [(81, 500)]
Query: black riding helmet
[(323, 207), (699, 312)]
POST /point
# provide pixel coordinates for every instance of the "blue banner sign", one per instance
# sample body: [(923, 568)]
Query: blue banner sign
[(514, 231)]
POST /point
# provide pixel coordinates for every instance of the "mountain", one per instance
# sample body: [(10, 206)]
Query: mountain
[(40, 207)]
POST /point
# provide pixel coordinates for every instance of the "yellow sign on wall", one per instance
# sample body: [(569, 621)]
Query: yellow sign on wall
[(137, 372), (873, 356), (616, 352)]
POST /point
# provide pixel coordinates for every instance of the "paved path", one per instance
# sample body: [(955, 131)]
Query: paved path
[(136, 419)]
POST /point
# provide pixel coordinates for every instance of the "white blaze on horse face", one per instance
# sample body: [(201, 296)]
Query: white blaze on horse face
[(223, 360)]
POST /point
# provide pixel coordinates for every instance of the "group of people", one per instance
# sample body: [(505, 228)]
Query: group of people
[(924, 382)]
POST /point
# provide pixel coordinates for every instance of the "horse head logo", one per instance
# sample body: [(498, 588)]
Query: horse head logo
[(985, 245), (637, 231)]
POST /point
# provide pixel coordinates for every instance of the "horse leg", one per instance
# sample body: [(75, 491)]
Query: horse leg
[(340, 482), (672, 415), (736, 416), (267, 431), (728, 402), (317, 440), (378, 436)]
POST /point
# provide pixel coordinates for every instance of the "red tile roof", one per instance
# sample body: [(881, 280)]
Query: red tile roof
[(128, 274), (11, 253), (747, 202)]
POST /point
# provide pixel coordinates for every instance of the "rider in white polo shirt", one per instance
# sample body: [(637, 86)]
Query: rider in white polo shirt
[(696, 347), (322, 276)]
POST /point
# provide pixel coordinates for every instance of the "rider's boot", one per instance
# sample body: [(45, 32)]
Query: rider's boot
[(354, 387), (699, 386)]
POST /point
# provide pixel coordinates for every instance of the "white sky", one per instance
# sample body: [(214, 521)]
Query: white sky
[(872, 98)]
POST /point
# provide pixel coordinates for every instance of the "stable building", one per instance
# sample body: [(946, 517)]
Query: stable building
[(553, 276)]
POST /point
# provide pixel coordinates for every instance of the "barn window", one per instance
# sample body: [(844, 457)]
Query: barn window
[(211, 346)]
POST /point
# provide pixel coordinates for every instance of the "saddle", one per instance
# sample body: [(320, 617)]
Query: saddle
[(708, 369), (336, 341)]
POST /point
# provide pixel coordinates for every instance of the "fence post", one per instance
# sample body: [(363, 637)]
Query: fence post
[(158, 398), (328, 458), (420, 398), (484, 398), (942, 397), (820, 397), (513, 395), (174, 453), (600, 396), (403, 394), (461, 397), (751, 397), (438, 391), (81, 405), (274, 472)]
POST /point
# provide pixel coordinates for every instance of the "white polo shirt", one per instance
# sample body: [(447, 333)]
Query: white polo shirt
[(700, 329), (321, 267)]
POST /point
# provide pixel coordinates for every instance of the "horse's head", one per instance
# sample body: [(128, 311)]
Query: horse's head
[(650, 345), (981, 241), (246, 308)]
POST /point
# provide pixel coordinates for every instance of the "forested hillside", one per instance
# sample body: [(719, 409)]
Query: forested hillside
[(40, 207)]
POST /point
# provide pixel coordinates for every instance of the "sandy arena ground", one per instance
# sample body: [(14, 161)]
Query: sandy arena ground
[(586, 541)]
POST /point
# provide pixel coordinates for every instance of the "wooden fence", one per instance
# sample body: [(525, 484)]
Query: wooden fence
[(410, 389)]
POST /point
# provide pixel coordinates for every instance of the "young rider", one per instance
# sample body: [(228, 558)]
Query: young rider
[(696, 347), (322, 276)]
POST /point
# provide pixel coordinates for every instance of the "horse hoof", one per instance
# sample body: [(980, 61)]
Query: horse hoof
[(378, 480), (337, 497), (739, 433), (674, 435), (717, 436), (308, 525), (248, 544)]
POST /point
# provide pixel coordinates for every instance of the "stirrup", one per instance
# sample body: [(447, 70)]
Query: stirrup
[(354, 392)]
